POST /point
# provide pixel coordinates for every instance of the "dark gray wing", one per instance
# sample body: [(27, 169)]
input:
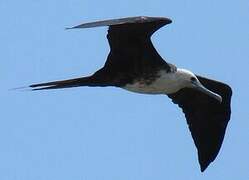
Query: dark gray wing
[(132, 53), (206, 117), (128, 20)]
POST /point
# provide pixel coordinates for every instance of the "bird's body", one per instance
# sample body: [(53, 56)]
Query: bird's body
[(134, 65), (163, 83)]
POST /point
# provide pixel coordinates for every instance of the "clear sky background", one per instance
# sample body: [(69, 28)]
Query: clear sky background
[(108, 133)]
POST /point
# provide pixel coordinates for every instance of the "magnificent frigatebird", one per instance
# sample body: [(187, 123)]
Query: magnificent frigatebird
[(134, 64)]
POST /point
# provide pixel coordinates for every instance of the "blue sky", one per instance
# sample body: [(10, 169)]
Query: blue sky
[(108, 133)]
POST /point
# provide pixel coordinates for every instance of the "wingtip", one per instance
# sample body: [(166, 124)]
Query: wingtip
[(169, 20), (70, 28), (203, 166), (203, 169)]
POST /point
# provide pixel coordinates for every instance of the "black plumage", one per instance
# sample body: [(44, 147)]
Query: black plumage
[(133, 58), (207, 119)]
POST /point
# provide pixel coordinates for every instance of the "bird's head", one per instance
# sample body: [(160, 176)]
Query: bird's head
[(189, 80)]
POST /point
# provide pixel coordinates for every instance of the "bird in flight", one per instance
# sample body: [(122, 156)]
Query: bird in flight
[(134, 65)]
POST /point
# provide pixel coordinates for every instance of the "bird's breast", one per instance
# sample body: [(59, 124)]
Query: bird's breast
[(164, 83)]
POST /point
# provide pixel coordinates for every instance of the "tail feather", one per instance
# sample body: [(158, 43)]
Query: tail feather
[(84, 81)]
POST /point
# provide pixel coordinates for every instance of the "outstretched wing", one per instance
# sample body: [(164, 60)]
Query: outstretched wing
[(128, 20), (207, 118), (132, 53)]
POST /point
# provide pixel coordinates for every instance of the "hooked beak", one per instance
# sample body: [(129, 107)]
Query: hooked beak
[(201, 88)]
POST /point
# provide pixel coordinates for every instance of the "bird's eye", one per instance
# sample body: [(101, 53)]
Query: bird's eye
[(193, 79)]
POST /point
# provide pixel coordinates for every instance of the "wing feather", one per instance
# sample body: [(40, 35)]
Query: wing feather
[(132, 54), (207, 119), (128, 20)]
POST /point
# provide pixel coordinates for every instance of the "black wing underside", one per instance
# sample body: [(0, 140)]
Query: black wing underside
[(207, 119), (132, 54)]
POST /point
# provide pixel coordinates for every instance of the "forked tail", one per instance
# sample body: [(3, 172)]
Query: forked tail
[(84, 81)]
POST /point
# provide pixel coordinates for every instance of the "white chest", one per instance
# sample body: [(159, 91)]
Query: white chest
[(166, 83)]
